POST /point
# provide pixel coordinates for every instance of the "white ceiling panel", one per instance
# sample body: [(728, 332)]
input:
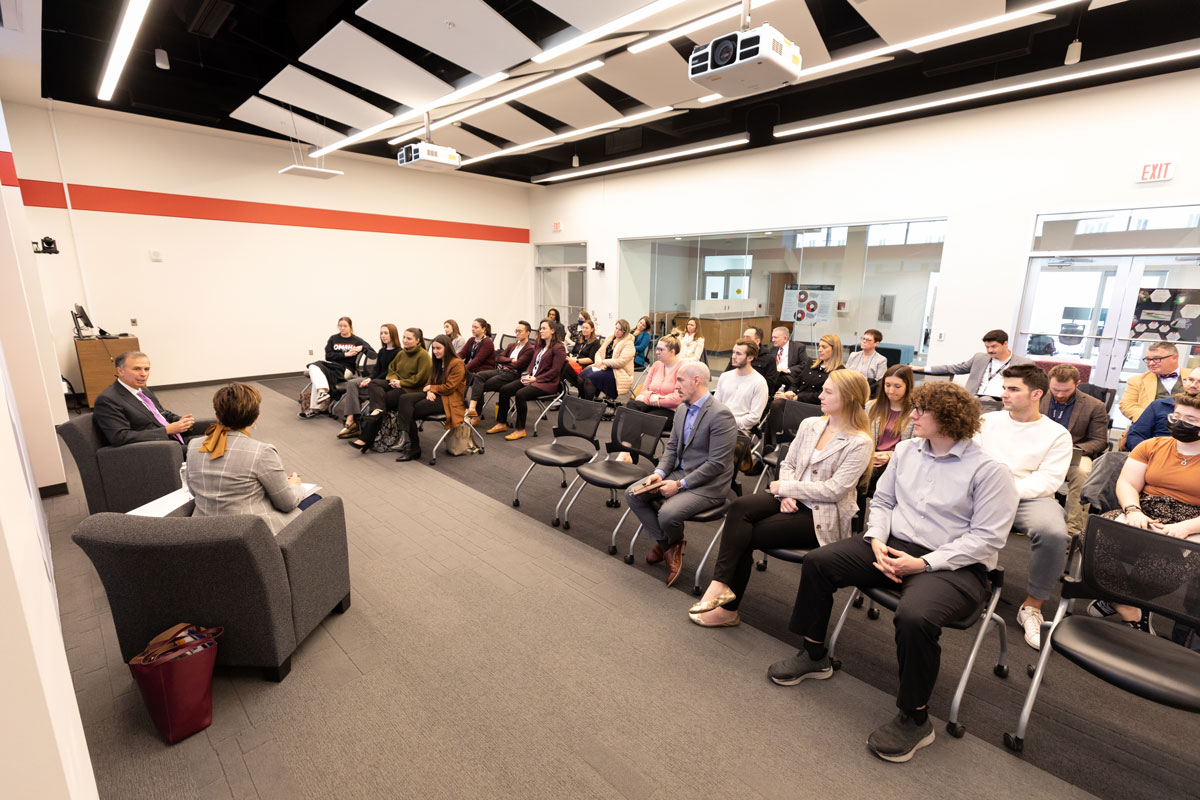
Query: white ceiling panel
[(603, 131), (683, 13), (296, 87), (573, 103), (504, 86), (589, 14), (569, 139), (277, 119), (585, 53), (466, 143), (900, 20), (354, 56), (509, 123), (790, 17), (870, 62), (468, 32), (656, 77), (988, 31)]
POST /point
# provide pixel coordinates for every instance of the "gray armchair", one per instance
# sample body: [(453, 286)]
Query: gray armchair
[(120, 478), (268, 592)]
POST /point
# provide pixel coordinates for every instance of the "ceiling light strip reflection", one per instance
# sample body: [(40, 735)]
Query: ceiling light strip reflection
[(733, 12), (127, 31), (619, 121), (604, 30), (723, 144)]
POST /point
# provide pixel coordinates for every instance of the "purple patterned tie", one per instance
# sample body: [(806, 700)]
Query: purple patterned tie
[(146, 401)]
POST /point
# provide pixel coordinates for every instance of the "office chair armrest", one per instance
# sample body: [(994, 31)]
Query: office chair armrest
[(1076, 589)]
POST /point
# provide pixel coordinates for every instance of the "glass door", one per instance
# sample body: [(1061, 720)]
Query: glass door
[(562, 288)]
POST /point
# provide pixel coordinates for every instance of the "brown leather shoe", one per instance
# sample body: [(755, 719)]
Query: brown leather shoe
[(655, 555), (673, 555)]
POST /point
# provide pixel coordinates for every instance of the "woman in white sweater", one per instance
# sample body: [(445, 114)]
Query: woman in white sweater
[(811, 504), (691, 343)]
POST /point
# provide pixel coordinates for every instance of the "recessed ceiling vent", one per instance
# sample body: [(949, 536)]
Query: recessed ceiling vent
[(208, 17)]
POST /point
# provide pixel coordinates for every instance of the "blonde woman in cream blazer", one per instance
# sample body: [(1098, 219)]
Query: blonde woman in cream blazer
[(812, 504), (611, 374)]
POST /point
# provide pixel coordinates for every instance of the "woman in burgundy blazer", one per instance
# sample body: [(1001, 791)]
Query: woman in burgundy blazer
[(542, 377), (479, 352)]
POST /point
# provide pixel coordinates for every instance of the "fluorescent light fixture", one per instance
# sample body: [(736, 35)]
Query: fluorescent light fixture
[(605, 29), (310, 172), (571, 134), (414, 113), (662, 155), (127, 31), (501, 100), (733, 12), (708, 98), (1010, 86)]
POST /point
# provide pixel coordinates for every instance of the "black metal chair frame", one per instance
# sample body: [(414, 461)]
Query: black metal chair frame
[(794, 412), (554, 448)]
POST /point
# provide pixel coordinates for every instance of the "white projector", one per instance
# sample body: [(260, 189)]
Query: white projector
[(745, 62), (423, 155)]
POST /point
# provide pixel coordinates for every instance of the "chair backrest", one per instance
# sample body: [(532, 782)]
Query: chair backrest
[(581, 418), (1142, 568), (1100, 488), (1101, 393), (427, 342), (505, 340), (795, 412), (365, 361), (636, 433), (83, 440)]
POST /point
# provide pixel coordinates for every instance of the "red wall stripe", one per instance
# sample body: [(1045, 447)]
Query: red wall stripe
[(8, 170), (48, 194)]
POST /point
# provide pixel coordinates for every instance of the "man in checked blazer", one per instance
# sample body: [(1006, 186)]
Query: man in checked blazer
[(123, 417), (984, 371), (695, 471)]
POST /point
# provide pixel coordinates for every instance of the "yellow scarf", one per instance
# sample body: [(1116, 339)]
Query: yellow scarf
[(215, 441)]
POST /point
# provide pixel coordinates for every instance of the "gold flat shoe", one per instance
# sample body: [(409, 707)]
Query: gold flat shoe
[(719, 600), (517, 434), (499, 427), (731, 623)]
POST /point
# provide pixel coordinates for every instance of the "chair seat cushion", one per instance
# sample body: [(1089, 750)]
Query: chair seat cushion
[(890, 599), (613, 474), (711, 515), (771, 459), (1139, 663), (557, 455), (787, 554)]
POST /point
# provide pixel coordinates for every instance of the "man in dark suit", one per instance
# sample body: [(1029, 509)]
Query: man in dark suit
[(786, 352), (1084, 416), (694, 473), (129, 412)]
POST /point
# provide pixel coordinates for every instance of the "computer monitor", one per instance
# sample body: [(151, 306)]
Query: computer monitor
[(81, 320)]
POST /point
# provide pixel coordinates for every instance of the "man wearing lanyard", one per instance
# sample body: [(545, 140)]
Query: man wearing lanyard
[(1085, 419), (984, 371), (127, 411), (694, 473)]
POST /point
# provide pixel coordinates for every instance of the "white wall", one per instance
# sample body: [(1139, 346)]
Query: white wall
[(989, 171), (236, 298)]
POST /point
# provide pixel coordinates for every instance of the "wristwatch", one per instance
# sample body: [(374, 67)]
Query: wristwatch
[(1130, 509), (928, 566)]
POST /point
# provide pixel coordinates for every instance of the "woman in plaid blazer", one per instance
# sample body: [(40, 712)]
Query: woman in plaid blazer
[(811, 504)]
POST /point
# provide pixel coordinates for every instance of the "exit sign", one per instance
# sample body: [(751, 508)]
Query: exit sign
[(1156, 171)]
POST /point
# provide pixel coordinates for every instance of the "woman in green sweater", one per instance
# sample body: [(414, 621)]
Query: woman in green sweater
[(408, 372)]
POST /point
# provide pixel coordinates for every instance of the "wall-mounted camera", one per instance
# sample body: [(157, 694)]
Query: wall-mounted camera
[(599, 265), (46, 246)]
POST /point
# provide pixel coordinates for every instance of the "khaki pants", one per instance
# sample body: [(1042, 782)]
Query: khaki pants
[(1077, 513)]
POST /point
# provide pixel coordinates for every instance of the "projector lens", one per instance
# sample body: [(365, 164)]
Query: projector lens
[(723, 51)]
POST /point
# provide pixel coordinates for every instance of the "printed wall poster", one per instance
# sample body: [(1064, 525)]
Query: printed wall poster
[(1168, 314)]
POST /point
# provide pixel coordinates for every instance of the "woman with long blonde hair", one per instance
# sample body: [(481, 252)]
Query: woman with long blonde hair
[(811, 504), (804, 382)]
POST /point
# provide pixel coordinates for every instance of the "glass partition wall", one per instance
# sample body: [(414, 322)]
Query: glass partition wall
[(842, 280)]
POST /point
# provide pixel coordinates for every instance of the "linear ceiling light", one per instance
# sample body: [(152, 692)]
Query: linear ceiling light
[(501, 100), (709, 98), (733, 12), (665, 155), (127, 31), (414, 113), (619, 121), (965, 97), (605, 29)]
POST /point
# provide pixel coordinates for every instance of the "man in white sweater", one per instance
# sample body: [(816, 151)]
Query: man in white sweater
[(1037, 451), (742, 389)]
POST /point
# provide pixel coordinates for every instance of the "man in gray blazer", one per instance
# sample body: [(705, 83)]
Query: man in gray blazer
[(984, 371), (695, 471)]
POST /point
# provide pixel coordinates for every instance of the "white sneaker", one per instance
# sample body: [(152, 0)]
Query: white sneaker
[(1030, 619)]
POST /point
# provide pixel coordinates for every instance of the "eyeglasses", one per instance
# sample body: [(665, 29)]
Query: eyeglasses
[(1174, 417), (1152, 360), (918, 411)]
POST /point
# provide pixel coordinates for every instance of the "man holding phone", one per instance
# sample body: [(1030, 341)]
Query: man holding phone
[(940, 515)]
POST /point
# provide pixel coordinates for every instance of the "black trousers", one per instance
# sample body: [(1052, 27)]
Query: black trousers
[(928, 601), (522, 394), (774, 423), (754, 522), (658, 411), (384, 397), (412, 407), (490, 381)]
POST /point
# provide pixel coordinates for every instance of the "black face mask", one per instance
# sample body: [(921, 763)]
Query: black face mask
[(1184, 431)]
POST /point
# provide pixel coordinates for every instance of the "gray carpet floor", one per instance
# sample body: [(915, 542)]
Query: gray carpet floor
[(488, 654)]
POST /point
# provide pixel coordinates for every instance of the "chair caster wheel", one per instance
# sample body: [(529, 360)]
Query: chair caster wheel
[(1001, 670), (516, 503), (481, 451), (956, 729), (629, 559), (1014, 743), (612, 549), (872, 613), (609, 503), (696, 590), (1030, 670), (564, 484), (535, 434), (858, 602), (836, 663), (433, 462), (761, 566), (555, 522), (566, 525)]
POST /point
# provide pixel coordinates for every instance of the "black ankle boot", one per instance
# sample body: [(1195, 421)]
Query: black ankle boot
[(410, 454)]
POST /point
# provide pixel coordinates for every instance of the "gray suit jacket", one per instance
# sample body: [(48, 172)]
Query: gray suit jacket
[(705, 460), (974, 368), (248, 479)]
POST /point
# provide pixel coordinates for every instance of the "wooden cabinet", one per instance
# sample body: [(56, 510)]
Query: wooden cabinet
[(720, 334), (96, 357)]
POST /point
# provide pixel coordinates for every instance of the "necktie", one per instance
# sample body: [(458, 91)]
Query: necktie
[(779, 357), (148, 403), (1172, 375)]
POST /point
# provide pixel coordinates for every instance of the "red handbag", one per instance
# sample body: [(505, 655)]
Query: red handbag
[(174, 675)]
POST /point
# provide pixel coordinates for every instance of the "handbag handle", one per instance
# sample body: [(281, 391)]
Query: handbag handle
[(169, 650)]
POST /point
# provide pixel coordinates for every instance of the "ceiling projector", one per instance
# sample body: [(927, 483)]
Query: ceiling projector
[(428, 156), (745, 62)]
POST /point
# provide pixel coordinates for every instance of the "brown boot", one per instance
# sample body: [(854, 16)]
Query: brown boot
[(656, 554), (673, 555)]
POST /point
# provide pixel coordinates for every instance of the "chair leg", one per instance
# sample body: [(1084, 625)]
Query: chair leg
[(632, 542), (442, 438), (343, 606), (517, 491), (985, 620), (555, 522), (277, 674), (1016, 742), (612, 544), (566, 522), (837, 631), (703, 561)]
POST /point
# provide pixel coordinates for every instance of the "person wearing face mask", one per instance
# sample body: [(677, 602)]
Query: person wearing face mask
[(1153, 421), (408, 372), (575, 329), (1159, 490)]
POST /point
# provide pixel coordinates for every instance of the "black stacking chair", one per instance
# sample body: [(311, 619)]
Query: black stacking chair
[(577, 418), (794, 412), (634, 433), (505, 340), (549, 402), (1101, 393), (476, 436), (889, 598), (711, 515), (796, 556), (1127, 565)]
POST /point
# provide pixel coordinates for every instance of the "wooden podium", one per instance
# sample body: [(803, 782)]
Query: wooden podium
[(96, 362)]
